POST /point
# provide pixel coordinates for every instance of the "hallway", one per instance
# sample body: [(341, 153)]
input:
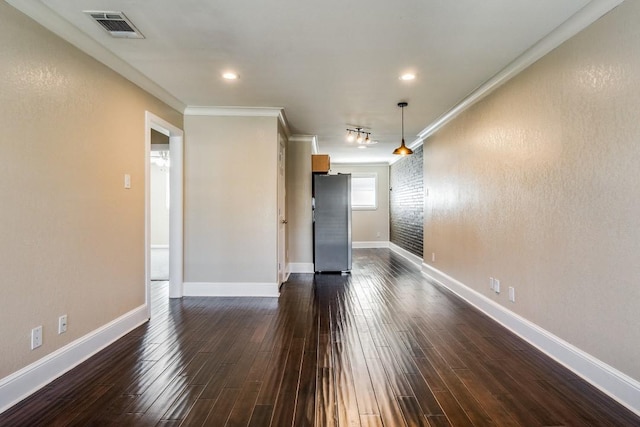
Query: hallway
[(380, 347)]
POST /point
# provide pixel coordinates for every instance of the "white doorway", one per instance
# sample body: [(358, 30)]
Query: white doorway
[(176, 148), (283, 272), (160, 202)]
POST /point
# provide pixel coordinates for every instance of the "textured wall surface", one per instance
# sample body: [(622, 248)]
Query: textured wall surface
[(537, 185), (300, 226), (230, 199), (370, 225), (406, 202), (71, 237)]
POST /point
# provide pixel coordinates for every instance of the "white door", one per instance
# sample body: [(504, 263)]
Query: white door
[(282, 218)]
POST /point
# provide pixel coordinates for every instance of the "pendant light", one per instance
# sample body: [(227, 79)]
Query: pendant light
[(403, 150)]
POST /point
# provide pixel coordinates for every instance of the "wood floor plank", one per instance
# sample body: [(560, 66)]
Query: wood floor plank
[(261, 416), (381, 346), (306, 396), (284, 408), (198, 413), (221, 409), (389, 409), (242, 410), (325, 404), (411, 411)]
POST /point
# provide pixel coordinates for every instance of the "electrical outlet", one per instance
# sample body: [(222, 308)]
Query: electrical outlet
[(36, 337), (378, 234), (496, 286), (512, 294), (491, 284), (433, 257), (62, 324)]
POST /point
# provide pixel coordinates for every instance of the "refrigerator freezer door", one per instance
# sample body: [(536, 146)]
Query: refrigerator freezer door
[(332, 223)]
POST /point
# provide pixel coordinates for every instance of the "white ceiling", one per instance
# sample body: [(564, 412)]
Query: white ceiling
[(330, 64)]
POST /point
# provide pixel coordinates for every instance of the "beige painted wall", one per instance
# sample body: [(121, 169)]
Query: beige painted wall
[(230, 199), (300, 226), (367, 224), (537, 185), (71, 237)]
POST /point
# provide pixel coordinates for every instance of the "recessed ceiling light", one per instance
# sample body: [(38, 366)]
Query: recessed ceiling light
[(407, 76), (230, 75)]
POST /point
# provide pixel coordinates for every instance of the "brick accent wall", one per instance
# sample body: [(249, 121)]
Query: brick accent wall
[(406, 202)]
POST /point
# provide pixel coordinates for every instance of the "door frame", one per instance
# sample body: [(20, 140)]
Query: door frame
[(283, 269), (176, 179)]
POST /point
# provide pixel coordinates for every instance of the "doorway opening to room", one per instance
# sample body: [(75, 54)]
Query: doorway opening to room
[(163, 207), (159, 203)]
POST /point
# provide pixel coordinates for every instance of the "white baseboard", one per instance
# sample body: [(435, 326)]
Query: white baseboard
[(30, 379), (610, 381), (301, 267), (414, 259), (209, 289), (369, 245)]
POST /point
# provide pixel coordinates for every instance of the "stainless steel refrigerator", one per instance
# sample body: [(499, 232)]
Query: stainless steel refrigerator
[(332, 222)]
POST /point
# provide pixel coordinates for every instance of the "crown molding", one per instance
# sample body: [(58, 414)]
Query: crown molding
[(285, 123), (313, 139), (586, 16), (240, 112), (49, 19), (234, 111), (360, 165)]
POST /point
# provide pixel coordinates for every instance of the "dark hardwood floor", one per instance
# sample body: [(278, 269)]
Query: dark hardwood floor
[(381, 347)]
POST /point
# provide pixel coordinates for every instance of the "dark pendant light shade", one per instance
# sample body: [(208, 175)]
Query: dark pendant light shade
[(403, 150)]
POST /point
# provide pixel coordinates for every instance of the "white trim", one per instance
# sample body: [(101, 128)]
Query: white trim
[(241, 112), (610, 381), (209, 289), (312, 139), (414, 259), (285, 123), (370, 245), (159, 246), (315, 148), (361, 165), (176, 211), (572, 26), (29, 379), (49, 19), (233, 111), (301, 267)]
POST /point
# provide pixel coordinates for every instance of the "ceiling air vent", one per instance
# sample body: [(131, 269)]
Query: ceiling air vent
[(116, 24)]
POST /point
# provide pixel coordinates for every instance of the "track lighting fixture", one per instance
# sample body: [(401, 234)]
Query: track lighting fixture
[(359, 135)]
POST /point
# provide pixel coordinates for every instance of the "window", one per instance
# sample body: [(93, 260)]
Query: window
[(363, 191)]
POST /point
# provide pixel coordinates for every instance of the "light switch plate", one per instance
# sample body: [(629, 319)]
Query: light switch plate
[(36, 337), (62, 324)]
